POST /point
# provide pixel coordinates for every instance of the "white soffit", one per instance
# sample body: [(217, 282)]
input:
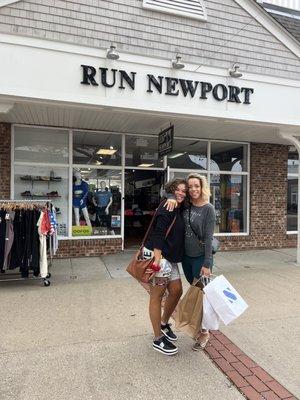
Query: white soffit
[(187, 8), (7, 2)]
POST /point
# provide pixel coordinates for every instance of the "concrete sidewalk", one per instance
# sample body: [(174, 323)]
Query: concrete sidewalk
[(88, 335)]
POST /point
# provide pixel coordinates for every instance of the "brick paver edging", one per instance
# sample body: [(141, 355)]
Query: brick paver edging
[(250, 379)]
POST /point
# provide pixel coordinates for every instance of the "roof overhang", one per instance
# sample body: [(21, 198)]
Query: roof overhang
[(268, 22), (112, 119)]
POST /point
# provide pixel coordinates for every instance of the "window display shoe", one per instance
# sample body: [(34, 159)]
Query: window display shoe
[(167, 331), (201, 341), (39, 194), (164, 346), (53, 194), (26, 178), (26, 193)]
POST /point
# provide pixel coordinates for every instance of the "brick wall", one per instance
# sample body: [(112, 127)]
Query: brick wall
[(88, 247), (268, 200), (5, 148)]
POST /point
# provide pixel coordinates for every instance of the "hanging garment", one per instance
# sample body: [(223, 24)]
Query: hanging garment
[(9, 238), (27, 221), (53, 232), (35, 244), (42, 223)]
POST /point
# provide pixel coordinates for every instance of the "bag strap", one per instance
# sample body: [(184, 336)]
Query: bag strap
[(151, 223), (195, 233)]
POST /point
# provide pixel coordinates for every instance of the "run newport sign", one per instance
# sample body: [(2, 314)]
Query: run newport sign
[(165, 85)]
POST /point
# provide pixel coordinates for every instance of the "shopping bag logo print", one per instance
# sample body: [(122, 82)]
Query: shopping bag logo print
[(231, 296)]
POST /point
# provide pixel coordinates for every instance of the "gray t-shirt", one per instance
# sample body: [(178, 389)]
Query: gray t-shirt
[(203, 220)]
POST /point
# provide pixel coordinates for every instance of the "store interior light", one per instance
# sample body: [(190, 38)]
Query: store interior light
[(176, 155), (107, 152), (145, 165)]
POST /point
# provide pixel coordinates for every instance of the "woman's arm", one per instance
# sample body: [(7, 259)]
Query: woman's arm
[(171, 202), (208, 238), (158, 235)]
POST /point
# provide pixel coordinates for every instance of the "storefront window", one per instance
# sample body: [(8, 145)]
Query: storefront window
[(184, 175), (39, 145), (188, 154), (142, 151), (92, 204), (228, 157), (40, 183), (96, 202), (229, 197), (292, 190), (97, 148)]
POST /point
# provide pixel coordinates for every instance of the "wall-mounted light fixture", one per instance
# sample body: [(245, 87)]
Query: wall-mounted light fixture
[(112, 53), (177, 63), (234, 71)]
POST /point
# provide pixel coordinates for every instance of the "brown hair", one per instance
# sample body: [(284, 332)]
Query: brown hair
[(172, 185)]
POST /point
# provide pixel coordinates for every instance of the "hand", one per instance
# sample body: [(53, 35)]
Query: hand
[(171, 204), (205, 271), (81, 202), (155, 266), (106, 211)]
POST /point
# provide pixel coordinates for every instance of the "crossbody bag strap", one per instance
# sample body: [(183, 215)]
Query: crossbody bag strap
[(151, 223), (170, 227), (195, 233)]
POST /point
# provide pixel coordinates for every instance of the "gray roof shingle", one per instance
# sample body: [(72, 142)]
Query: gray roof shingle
[(289, 19)]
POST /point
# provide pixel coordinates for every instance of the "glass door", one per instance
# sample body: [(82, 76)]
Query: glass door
[(142, 195)]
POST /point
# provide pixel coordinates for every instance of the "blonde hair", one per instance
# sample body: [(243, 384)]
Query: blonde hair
[(205, 191)]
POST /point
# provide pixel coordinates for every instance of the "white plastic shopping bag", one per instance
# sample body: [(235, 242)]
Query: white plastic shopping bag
[(224, 299), (210, 320)]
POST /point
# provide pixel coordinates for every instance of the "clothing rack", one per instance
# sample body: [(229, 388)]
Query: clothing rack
[(27, 204)]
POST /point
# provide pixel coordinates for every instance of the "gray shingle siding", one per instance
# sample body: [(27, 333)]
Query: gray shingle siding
[(230, 35)]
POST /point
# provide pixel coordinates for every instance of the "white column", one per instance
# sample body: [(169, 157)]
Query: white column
[(292, 139)]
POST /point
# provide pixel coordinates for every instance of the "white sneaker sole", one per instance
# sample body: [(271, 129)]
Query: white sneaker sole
[(172, 353)]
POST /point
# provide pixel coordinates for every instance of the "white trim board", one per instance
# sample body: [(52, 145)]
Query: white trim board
[(7, 2), (269, 23)]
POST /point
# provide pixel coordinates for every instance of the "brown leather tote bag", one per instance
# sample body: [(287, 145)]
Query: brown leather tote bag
[(137, 266)]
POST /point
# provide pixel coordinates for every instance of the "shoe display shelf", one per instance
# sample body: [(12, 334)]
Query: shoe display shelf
[(40, 179)]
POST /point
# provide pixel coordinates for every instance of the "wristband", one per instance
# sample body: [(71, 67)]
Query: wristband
[(155, 267)]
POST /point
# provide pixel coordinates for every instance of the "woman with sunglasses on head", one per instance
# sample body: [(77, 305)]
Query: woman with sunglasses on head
[(165, 244), (199, 218)]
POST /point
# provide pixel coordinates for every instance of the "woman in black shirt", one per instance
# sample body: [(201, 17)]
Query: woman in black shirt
[(167, 250)]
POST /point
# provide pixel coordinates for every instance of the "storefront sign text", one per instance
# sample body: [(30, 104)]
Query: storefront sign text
[(165, 141), (166, 85)]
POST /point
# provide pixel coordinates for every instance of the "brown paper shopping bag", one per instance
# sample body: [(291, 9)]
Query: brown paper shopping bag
[(188, 317)]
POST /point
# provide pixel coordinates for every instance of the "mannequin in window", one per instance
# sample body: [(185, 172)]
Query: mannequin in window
[(80, 193), (103, 203)]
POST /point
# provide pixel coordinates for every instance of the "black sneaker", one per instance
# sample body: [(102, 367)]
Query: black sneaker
[(167, 331), (164, 346)]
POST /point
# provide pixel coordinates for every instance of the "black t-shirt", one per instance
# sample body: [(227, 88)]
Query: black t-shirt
[(172, 247)]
